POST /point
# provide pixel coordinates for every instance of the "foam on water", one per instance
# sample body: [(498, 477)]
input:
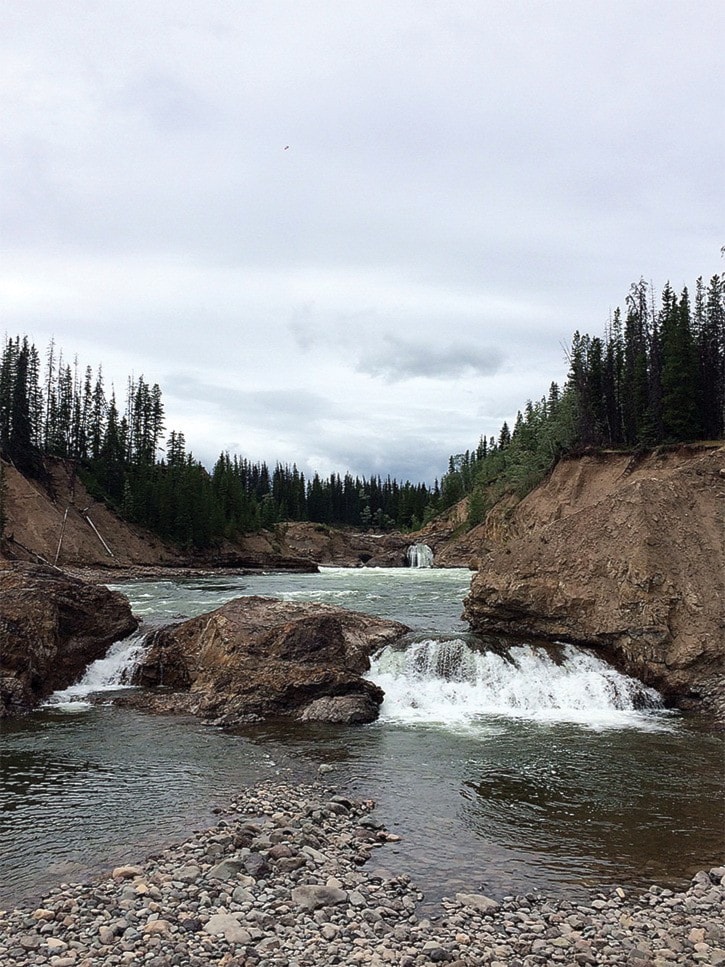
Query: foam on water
[(107, 674), (448, 683)]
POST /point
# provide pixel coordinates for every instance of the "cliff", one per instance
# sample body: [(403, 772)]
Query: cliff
[(51, 628), (58, 522), (624, 554)]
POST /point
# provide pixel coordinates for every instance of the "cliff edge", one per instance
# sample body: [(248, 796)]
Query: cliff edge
[(622, 553)]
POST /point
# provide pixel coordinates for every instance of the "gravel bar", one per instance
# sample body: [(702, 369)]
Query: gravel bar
[(291, 876)]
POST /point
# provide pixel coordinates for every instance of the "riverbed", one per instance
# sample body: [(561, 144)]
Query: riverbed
[(504, 773)]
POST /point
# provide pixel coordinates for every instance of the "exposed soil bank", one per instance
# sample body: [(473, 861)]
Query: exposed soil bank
[(619, 553), (57, 522)]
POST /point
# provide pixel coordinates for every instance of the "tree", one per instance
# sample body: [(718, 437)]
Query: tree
[(679, 369)]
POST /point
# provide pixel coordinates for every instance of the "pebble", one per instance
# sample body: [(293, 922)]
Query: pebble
[(281, 881)]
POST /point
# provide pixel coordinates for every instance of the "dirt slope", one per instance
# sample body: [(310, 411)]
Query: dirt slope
[(625, 554), (38, 528), (60, 523)]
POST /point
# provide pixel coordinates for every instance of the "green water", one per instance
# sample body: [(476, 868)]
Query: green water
[(506, 803)]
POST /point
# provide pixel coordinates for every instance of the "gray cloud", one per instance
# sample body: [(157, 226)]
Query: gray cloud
[(286, 213), (397, 359), (262, 406)]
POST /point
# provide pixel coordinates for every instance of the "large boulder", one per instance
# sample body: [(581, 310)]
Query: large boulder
[(51, 627), (631, 562), (258, 657)]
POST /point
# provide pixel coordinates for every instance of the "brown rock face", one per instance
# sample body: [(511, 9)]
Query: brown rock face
[(331, 545), (51, 628), (630, 559), (257, 657)]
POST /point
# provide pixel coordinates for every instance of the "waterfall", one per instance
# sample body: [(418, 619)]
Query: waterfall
[(419, 555), (447, 682), (107, 674)]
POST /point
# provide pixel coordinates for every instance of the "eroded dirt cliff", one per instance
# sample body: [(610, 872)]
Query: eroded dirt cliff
[(622, 553), (57, 522)]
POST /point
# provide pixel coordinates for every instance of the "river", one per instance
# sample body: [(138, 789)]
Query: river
[(504, 773)]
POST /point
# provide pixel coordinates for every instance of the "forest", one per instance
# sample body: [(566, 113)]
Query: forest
[(656, 377), (51, 408)]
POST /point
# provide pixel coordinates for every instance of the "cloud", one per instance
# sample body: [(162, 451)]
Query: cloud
[(296, 405), (464, 188), (395, 359)]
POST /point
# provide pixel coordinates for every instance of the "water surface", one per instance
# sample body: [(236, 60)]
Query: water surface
[(533, 770)]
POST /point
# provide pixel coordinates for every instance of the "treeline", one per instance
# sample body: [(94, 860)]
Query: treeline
[(656, 377), (56, 409)]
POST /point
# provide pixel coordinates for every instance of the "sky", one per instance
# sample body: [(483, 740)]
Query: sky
[(351, 234)]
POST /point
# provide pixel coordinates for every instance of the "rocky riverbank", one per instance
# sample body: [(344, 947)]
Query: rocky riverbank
[(292, 876)]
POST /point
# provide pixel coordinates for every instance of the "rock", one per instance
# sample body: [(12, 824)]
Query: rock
[(43, 914), (256, 865), (188, 874), (229, 927), (126, 872), (51, 628), (225, 870), (312, 897), (327, 545), (626, 558), (342, 709), (477, 901), (257, 657)]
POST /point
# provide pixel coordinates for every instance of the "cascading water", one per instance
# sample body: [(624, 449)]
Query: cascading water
[(449, 683), (107, 674), (419, 555)]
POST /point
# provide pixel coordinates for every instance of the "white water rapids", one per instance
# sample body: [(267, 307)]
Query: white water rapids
[(446, 682), (107, 674), (419, 555)]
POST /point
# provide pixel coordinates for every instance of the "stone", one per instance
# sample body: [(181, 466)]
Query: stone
[(228, 926), (43, 914), (188, 874), (54, 943), (225, 870), (312, 897), (107, 934), (255, 657), (479, 902), (126, 872)]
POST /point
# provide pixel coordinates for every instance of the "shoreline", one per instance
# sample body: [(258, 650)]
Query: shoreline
[(295, 875)]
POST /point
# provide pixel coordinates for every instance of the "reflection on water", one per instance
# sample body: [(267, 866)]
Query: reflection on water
[(84, 791), (482, 797), (516, 806)]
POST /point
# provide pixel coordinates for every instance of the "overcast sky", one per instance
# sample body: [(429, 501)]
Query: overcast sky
[(354, 235)]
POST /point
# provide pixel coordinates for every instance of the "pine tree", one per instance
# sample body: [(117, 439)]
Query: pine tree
[(679, 370)]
